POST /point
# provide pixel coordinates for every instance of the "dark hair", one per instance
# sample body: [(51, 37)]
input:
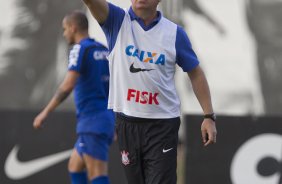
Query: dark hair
[(79, 18)]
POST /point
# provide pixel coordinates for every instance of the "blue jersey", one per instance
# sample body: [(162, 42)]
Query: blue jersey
[(88, 58)]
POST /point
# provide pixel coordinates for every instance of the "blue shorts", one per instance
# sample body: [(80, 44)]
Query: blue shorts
[(94, 145), (97, 123)]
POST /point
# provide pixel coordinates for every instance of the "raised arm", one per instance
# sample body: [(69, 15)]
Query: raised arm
[(202, 92), (98, 8)]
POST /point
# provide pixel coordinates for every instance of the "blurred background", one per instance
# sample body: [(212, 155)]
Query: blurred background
[(239, 45)]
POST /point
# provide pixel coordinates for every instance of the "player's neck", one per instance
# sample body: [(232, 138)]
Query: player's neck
[(146, 15), (80, 37)]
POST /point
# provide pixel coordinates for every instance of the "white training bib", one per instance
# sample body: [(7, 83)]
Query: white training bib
[(142, 68)]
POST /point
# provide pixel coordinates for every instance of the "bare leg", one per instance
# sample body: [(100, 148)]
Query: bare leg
[(95, 167), (76, 164)]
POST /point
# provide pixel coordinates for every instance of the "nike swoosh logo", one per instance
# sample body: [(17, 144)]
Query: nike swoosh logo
[(135, 70), (166, 150), (15, 169)]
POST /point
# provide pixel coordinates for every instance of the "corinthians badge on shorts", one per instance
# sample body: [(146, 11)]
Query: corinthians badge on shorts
[(124, 157)]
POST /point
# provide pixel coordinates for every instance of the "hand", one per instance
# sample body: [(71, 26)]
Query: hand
[(209, 132), (38, 120)]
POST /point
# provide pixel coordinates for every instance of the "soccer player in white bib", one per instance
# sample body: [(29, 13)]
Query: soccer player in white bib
[(144, 49)]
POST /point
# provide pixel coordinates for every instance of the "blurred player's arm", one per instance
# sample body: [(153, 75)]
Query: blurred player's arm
[(98, 8), (202, 92), (62, 93)]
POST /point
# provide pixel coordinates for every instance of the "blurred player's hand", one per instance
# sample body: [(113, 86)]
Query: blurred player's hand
[(209, 132), (39, 119)]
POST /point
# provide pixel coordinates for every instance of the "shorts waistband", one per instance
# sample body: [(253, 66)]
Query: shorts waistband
[(132, 119)]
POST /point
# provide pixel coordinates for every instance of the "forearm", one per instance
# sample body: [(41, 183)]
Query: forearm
[(57, 99), (201, 89), (98, 8), (63, 91)]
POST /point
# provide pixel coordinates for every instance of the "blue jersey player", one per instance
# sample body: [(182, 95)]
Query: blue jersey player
[(88, 75)]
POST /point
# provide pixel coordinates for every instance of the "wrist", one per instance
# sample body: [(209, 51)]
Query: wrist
[(211, 116), (46, 112)]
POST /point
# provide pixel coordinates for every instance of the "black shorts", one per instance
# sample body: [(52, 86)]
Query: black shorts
[(148, 149)]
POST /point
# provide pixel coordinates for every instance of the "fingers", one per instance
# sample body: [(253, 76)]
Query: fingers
[(204, 136), (209, 137), (39, 119), (208, 142), (37, 123), (209, 132)]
